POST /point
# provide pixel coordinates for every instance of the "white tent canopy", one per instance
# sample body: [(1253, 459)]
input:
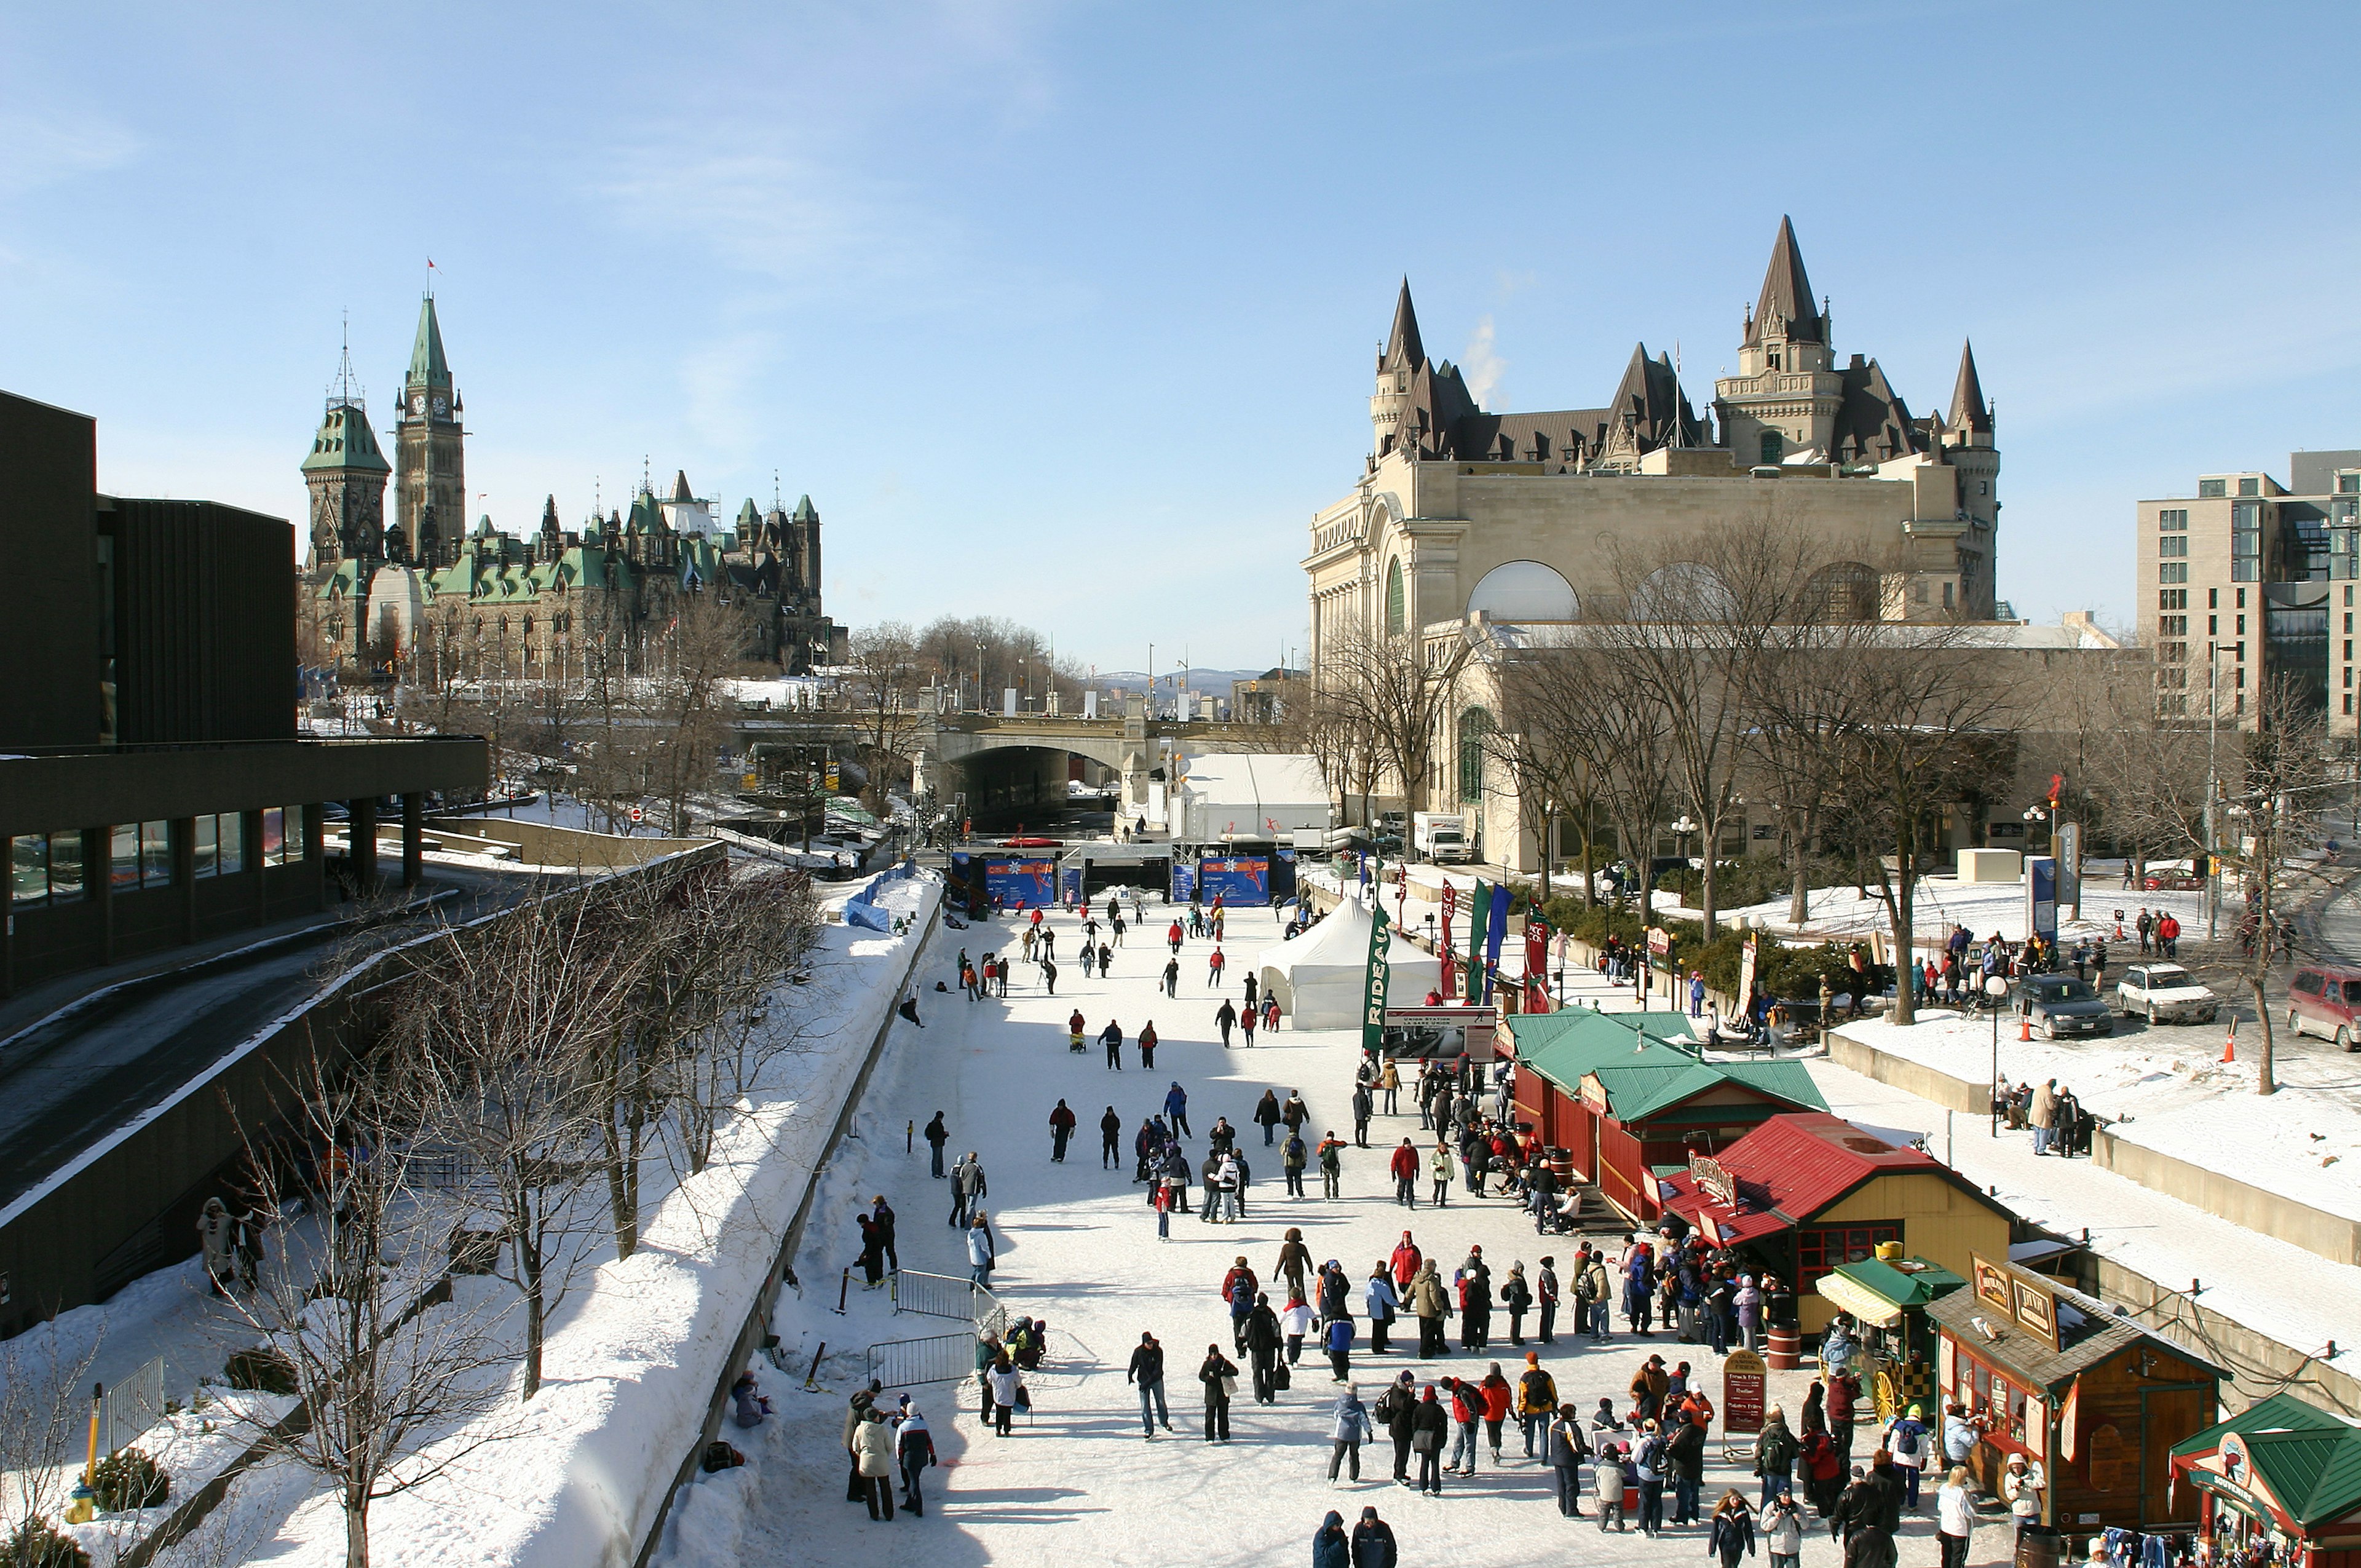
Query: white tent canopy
[(1318, 976)]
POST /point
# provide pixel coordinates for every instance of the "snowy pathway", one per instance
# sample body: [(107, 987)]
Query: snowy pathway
[(1079, 1247)]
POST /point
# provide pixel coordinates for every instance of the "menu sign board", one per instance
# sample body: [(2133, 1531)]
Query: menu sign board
[(1743, 1377), (1712, 1180)]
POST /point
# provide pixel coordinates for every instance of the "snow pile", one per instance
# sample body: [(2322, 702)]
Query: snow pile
[(635, 1358), (2166, 1089)]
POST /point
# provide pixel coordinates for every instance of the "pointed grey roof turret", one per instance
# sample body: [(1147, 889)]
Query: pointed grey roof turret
[(1788, 292), (680, 491), (1404, 350), (1969, 410), (427, 365)]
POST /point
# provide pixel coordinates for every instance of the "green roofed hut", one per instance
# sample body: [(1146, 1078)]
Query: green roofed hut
[(2282, 1472), (1622, 1100)]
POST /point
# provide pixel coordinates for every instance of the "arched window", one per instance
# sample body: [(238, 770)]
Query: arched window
[(1684, 593), (1474, 729), (1525, 590), (1772, 446), (1393, 598), (1846, 591)]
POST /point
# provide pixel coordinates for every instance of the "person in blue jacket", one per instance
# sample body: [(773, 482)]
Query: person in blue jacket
[(1176, 1109), (1339, 1339), (1329, 1547), (1373, 1542)]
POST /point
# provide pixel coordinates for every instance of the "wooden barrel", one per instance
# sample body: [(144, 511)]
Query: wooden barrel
[(1785, 1350), (1561, 1166)]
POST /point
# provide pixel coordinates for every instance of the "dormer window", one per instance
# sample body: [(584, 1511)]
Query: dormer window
[(1770, 359)]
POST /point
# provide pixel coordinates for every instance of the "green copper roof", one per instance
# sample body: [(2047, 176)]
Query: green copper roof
[(346, 441), (750, 521), (806, 511), (427, 365), (1645, 1061), (1913, 1287), (2310, 1459)]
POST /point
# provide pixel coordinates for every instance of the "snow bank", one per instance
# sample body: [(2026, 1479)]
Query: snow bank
[(632, 1362)]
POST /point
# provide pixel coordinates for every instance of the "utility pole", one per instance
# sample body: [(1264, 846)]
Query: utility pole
[(2212, 788)]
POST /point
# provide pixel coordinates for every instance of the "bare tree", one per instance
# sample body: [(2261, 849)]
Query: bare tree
[(761, 925), (1395, 692), (883, 689), (45, 1399), (2269, 786), (358, 1314)]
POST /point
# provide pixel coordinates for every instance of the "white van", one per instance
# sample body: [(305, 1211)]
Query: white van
[(1442, 837)]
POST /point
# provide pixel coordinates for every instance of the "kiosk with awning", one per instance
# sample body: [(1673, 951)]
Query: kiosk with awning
[(1630, 1096), (2280, 1473), (1808, 1193), (2098, 1398), (1887, 1297)]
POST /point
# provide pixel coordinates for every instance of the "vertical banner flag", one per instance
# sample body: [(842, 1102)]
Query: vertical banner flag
[(1536, 964), (1364, 874), (1373, 988), (1479, 913), (1746, 961), (1443, 944), (1401, 888), (1495, 933)]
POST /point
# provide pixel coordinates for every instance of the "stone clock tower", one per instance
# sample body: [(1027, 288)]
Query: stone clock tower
[(430, 472)]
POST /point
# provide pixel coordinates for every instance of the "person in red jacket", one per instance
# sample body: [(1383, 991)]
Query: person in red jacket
[(1173, 936), (1062, 1127), (1405, 1262), (1404, 1165)]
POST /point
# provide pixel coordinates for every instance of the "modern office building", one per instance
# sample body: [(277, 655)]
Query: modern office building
[(2251, 581), (153, 791)]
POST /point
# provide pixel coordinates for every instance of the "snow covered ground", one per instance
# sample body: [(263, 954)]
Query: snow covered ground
[(2168, 1089), (632, 1357), (2274, 1287), (1078, 1246)]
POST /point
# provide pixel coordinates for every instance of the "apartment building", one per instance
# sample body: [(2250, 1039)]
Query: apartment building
[(2251, 581)]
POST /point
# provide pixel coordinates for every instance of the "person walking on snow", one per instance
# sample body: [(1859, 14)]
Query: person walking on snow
[(1226, 1020), (1404, 1166), (1331, 1155), (1267, 1114), (1146, 1373), (1214, 970), (1172, 976), (1349, 1426), (1176, 1108), (1148, 1045), (1111, 1039), (936, 1136), (980, 1249), (1247, 1021), (1062, 1128), (1075, 1025), (1110, 1140)]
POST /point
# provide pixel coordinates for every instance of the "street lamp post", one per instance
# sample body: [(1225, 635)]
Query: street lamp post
[(1995, 987), (1681, 828), (2033, 814)]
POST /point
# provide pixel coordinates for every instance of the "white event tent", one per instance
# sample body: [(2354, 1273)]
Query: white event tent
[(1318, 976)]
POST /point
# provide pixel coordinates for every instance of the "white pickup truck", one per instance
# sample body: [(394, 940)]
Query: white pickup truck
[(2165, 994)]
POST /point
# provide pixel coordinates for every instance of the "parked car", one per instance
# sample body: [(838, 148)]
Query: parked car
[(2059, 1004), (2326, 1000), (2165, 994)]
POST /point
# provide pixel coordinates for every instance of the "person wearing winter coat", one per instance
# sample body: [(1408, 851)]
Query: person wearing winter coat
[(2044, 1116), (1294, 1261), (1294, 1159), (1466, 1421), (1062, 1129), (1748, 1304), (1404, 1168), (1266, 1115), (1239, 1289), (1110, 1140), (1429, 1426), (1518, 1297), (1219, 1375), (1432, 1304), (1732, 1535), (1146, 1373), (1565, 1448), (1339, 1340), (1331, 1156), (1593, 1290), (1349, 1426), (1869, 1547), (1364, 1107), (872, 1447), (1907, 1441), (1396, 1410), (1334, 1291), (1783, 1531), (1685, 1455), (1006, 1384), (1536, 1400), (1295, 1321), (980, 1248), (1955, 1517), (936, 1136), (1176, 1106), (1263, 1340), (1382, 1302), (1648, 1466), (2021, 1487), (914, 1447), (1843, 1390), (1474, 1308), (1775, 1449), (1546, 1295), (748, 1406), (1607, 1479), (1438, 1166), (1373, 1542), (218, 1235), (1500, 1398), (1823, 1469), (1330, 1549)]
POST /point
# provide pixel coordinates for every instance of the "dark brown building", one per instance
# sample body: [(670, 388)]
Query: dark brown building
[(153, 789)]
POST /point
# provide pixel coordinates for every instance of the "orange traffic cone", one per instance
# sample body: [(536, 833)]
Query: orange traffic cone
[(2025, 1026), (2230, 1042)]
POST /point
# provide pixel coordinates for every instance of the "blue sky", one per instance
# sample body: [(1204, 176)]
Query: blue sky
[(1067, 313)]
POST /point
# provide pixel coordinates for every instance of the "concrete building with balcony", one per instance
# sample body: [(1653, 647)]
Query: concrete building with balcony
[(2250, 581)]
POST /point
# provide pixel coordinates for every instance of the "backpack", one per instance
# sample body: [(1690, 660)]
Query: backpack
[(1906, 1443)]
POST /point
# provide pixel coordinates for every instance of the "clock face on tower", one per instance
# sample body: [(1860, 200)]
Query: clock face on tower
[(442, 406), (418, 402)]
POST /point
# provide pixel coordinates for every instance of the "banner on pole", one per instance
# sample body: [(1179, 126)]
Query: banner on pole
[(1536, 964), (1442, 948), (1373, 990), (1496, 931)]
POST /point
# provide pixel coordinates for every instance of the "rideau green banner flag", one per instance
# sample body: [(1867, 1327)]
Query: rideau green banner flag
[(1373, 990), (1479, 921)]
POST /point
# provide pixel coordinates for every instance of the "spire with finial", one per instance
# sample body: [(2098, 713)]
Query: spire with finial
[(1404, 350), (1786, 296), (1970, 412), (345, 391)]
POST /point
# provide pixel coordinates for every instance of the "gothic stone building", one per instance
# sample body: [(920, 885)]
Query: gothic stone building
[(492, 604)]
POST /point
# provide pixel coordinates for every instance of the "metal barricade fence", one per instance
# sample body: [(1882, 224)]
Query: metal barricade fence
[(941, 1358), (132, 1406), (935, 1295)]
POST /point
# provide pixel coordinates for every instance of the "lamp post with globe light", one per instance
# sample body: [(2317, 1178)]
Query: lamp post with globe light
[(1995, 987)]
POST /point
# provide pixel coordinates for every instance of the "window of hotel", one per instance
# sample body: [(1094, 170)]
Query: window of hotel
[(2172, 520), (1771, 444), (2245, 543), (2177, 544), (2250, 487), (2170, 572), (2208, 489), (45, 869), (282, 836)]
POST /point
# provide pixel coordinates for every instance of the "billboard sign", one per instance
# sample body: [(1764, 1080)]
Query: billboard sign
[(1240, 880), (1419, 1034), (1020, 883)]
